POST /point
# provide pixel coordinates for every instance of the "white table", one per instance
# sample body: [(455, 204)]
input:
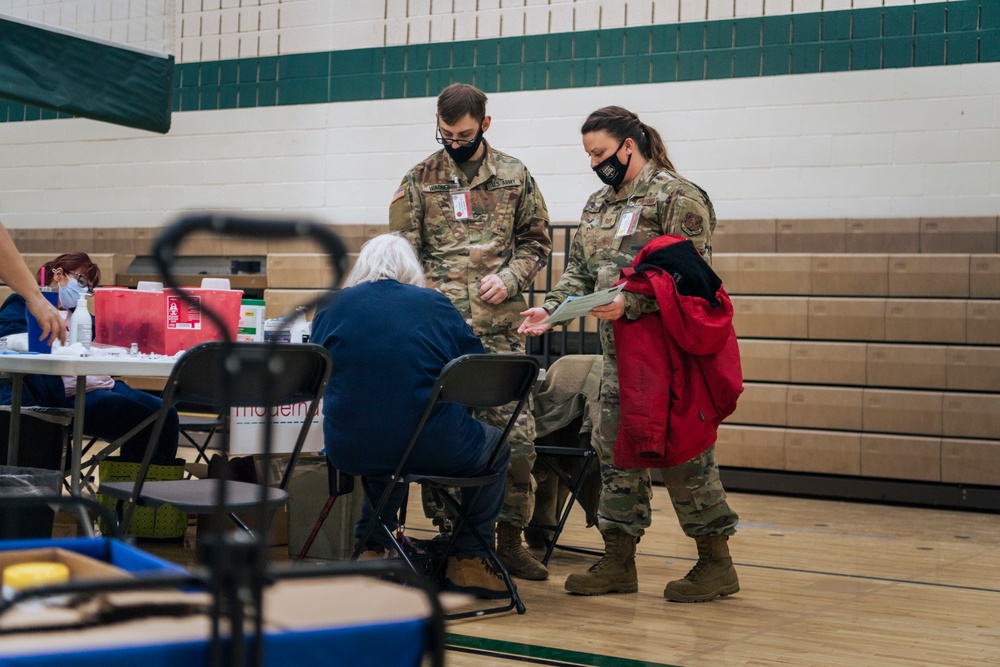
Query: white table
[(19, 365)]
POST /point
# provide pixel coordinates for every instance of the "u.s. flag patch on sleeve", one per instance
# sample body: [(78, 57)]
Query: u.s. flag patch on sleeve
[(400, 191)]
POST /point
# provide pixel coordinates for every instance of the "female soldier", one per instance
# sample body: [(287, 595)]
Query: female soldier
[(644, 198)]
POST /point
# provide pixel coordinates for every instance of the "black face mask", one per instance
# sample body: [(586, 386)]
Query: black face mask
[(463, 154), (611, 171)]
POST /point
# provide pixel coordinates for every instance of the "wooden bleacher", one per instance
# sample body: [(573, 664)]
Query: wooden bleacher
[(870, 348)]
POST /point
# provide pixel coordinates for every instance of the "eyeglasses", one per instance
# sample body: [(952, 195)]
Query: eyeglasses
[(445, 141), (80, 279)]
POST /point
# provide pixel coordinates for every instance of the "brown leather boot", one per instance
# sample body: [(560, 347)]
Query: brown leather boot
[(614, 573), (713, 575), (518, 560), (475, 576)]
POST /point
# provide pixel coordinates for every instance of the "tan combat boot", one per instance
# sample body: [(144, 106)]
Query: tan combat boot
[(518, 561), (713, 575), (614, 573), (475, 576)]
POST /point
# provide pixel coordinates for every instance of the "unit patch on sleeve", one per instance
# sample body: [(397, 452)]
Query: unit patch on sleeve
[(692, 224)]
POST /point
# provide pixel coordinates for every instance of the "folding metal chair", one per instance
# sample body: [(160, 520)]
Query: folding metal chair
[(200, 420), (474, 381), (549, 456), (340, 484), (227, 375)]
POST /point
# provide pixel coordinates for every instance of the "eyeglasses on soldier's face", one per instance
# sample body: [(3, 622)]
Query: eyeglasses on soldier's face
[(453, 141)]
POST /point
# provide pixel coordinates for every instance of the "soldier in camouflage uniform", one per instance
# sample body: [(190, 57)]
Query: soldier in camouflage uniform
[(479, 224), (645, 198)]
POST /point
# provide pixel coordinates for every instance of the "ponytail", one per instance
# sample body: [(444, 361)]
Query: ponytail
[(622, 124)]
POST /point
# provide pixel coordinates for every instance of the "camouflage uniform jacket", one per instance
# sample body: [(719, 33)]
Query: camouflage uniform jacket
[(506, 233), (666, 204)]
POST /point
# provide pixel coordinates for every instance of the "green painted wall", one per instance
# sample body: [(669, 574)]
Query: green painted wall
[(923, 35)]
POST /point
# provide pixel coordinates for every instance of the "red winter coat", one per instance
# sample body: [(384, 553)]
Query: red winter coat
[(679, 369)]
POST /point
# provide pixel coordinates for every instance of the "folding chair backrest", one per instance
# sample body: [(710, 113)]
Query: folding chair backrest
[(227, 375), (486, 380), (481, 381)]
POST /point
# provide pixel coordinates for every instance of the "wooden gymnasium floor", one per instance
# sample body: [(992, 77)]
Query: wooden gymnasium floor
[(823, 583)]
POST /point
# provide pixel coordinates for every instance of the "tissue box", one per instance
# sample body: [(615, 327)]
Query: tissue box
[(163, 322)]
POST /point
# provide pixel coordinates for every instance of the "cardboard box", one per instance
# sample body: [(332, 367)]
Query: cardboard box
[(907, 366), (827, 363), (901, 457), (775, 274), (925, 320), (846, 319), (308, 491), (883, 235), (823, 452), (251, 326), (162, 322), (770, 317), (929, 275), (900, 411), (850, 275)]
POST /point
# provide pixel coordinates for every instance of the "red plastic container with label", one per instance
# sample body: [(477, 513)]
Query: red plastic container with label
[(162, 322)]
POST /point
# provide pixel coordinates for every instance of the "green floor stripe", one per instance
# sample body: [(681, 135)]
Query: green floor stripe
[(543, 654)]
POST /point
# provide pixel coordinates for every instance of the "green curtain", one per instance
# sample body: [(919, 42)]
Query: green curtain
[(82, 77)]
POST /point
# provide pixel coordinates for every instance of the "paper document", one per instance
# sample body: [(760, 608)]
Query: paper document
[(578, 306)]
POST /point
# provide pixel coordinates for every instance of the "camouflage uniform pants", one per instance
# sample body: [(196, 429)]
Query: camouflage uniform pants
[(695, 489), (519, 498)]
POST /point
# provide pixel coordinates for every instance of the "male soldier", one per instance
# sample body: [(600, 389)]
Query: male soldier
[(479, 225)]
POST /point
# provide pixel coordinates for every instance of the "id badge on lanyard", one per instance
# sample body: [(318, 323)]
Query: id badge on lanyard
[(628, 221), (461, 204)]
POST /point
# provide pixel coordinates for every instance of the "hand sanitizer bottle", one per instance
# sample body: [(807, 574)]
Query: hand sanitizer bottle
[(81, 327)]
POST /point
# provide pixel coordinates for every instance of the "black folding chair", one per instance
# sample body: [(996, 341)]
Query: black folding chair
[(474, 381), (550, 457), (201, 420), (227, 375), (339, 484)]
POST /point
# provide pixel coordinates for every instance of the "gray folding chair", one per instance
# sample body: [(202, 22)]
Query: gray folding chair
[(227, 375)]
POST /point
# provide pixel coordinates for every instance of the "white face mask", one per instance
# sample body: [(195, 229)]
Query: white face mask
[(70, 293)]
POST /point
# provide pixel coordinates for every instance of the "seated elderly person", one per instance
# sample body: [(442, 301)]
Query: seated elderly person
[(111, 407), (389, 338)]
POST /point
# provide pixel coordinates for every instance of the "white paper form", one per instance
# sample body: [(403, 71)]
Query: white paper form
[(578, 306)]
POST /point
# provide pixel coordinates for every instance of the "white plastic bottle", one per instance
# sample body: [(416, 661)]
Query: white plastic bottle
[(300, 327), (81, 327)]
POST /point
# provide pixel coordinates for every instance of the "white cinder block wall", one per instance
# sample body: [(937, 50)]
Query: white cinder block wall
[(880, 143)]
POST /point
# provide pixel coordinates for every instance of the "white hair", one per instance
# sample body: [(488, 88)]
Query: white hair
[(386, 257)]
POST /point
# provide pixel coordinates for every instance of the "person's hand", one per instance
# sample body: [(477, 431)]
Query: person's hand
[(532, 324), (492, 290), (51, 323), (611, 311)]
